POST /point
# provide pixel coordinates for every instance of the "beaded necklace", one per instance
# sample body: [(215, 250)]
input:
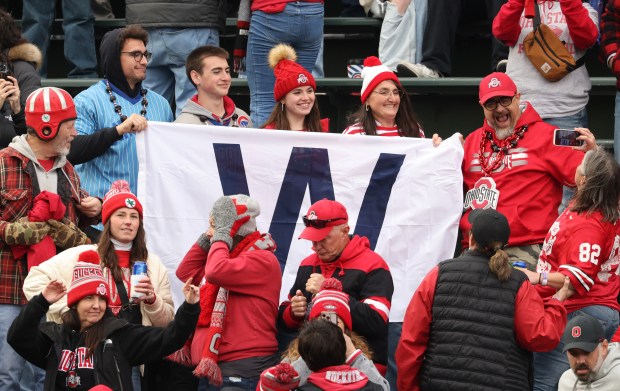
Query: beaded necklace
[(118, 108), (490, 164)]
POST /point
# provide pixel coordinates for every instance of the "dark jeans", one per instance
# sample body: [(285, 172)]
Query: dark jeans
[(440, 31)]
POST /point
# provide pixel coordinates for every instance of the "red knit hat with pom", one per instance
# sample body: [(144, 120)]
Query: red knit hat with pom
[(87, 279), (374, 73), (289, 74), (331, 298), (279, 378), (119, 196)]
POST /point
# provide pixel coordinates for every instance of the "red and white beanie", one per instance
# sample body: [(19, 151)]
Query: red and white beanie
[(87, 279), (119, 196), (289, 74), (375, 72), (282, 377), (331, 298)]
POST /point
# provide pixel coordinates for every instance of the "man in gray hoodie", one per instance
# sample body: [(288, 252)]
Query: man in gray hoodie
[(35, 175), (594, 363), (207, 68)]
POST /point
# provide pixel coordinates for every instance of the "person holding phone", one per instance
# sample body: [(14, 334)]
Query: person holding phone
[(332, 305), (19, 62), (512, 165), (583, 244)]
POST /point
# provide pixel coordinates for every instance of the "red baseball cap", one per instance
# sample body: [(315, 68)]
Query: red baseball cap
[(321, 218), (496, 84)]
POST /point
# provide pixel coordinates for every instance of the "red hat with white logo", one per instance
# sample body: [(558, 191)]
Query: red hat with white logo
[(289, 74), (119, 196), (321, 218), (46, 108), (331, 298), (87, 279), (374, 73), (496, 84)]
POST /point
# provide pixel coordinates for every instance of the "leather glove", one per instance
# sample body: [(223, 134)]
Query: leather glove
[(226, 220), (66, 234), (24, 232), (241, 46)]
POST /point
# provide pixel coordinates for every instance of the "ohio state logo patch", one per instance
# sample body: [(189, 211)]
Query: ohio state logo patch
[(243, 121), (101, 290), (311, 216), (130, 203), (73, 380), (484, 195), (576, 332), (494, 83), (302, 78)]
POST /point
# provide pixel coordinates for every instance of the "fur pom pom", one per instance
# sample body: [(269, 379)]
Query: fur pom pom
[(331, 283), (284, 373), (90, 256), (281, 52), (372, 61)]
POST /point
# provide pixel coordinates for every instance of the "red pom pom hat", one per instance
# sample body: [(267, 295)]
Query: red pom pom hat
[(331, 298), (374, 73), (87, 279), (289, 74), (119, 196)]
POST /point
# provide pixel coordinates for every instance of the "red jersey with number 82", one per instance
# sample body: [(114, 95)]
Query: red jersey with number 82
[(586, 249)]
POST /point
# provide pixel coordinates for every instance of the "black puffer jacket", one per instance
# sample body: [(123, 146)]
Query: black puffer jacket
[(177, 13), (125, 345)]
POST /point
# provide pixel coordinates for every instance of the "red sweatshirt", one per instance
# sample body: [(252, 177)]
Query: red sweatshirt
[(253, 280)]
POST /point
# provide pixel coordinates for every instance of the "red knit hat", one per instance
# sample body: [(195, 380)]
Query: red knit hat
[(119, 196), (373, 74), (282, 377), (331, 298), (289, 74), (87, 279)]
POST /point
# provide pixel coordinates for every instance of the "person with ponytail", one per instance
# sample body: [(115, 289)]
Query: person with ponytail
[(474, 320), (583, 245), (294, 91)]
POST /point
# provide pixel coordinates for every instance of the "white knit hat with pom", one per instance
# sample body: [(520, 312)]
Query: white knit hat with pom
[(374, 73)]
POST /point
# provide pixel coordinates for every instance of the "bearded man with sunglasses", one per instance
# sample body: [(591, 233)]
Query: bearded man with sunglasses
[(512, 165), (113, 110), (364, 275)]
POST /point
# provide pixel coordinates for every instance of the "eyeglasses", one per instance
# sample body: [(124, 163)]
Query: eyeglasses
[(386, 93), (137, 55), (315, 223), (505, 101)]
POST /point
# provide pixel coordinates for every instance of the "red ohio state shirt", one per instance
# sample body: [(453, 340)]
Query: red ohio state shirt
[(527, 186), (586, 249)]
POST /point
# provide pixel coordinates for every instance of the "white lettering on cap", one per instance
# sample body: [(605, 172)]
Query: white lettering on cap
[(494, 83)]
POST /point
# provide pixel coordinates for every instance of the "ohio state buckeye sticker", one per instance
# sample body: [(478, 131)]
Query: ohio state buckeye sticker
[(484, 195), (73, 380)]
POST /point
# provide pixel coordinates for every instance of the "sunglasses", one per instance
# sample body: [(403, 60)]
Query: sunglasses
[(315, 223)]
